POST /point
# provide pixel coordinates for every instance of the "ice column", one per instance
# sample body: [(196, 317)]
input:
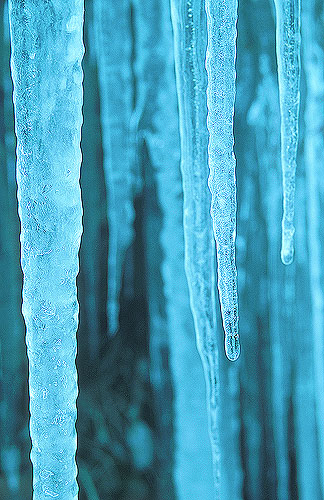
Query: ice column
[(288, 60), (114, 52), (220, 64), (47, 50)]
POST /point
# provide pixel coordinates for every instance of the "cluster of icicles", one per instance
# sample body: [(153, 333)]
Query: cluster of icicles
[(47, 80)]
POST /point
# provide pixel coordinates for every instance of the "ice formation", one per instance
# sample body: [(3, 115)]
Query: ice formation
[(288, 59), (47, 50), (220, 64)]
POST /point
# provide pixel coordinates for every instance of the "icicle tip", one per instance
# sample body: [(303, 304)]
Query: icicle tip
[(232, 347), (287, 248)]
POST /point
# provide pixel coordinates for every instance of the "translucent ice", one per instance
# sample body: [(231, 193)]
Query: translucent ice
[(220, 64), (47, 50)]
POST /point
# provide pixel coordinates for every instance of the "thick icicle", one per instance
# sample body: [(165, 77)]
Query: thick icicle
[(288, 60), (114, 52), (158, 127), (314, 158), (220, 64), (47, 50)]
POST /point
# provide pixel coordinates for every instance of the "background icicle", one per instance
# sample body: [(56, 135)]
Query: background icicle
[(220, 64), (263, 116), (193, 472), (288, 59), (190, 38), (47, 50), (11, 328), (114, 51)]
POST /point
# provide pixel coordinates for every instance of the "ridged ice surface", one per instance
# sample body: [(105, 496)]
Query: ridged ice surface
[(288, 60), (47, 50), (220, 64)]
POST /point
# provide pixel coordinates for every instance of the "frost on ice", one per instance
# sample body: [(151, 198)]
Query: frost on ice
[(220, 64), (47, 50), (288, 59)]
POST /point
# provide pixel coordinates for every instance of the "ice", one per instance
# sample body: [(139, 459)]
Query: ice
[(48, 119)]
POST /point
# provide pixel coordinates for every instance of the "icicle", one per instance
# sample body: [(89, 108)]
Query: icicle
[(220, 64), (314, 158), (47, 50), (288, 59), (158, 126), (114, 52), (189, 25), (262, 116)]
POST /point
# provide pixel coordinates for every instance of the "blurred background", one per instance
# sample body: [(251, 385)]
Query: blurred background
[(142, 419)]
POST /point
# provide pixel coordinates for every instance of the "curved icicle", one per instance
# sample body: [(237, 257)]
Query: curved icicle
[(288, 60), (47, 50), (220, 65)]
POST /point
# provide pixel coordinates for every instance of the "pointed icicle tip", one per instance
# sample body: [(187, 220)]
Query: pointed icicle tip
[(232, 347)]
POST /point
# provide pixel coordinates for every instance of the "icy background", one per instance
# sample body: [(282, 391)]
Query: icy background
[(144, 429)]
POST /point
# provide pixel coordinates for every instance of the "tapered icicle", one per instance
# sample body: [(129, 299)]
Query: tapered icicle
[(314, 158), (158, 128), (220, 64), (190, 38), (288, 60), (114, 51), (47, 50), (263, 117)]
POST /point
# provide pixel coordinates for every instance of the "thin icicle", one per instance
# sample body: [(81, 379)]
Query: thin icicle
[(114, 52), (158, 126), (288, 60), (220, 64), (190, 37), (47, 49)]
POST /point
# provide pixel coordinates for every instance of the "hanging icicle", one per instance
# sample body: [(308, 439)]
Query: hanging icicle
[(220, 64), (288, 60), (47, 50), (114, 52)]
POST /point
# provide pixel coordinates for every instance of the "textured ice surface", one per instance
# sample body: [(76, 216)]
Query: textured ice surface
[(47, 50), (288, 59), (220, 64)]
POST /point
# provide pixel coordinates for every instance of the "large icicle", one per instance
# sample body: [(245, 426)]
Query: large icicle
[(288, 60), (114, 51), (158, 127), (220, 64), (47, 50), (314, 158)]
